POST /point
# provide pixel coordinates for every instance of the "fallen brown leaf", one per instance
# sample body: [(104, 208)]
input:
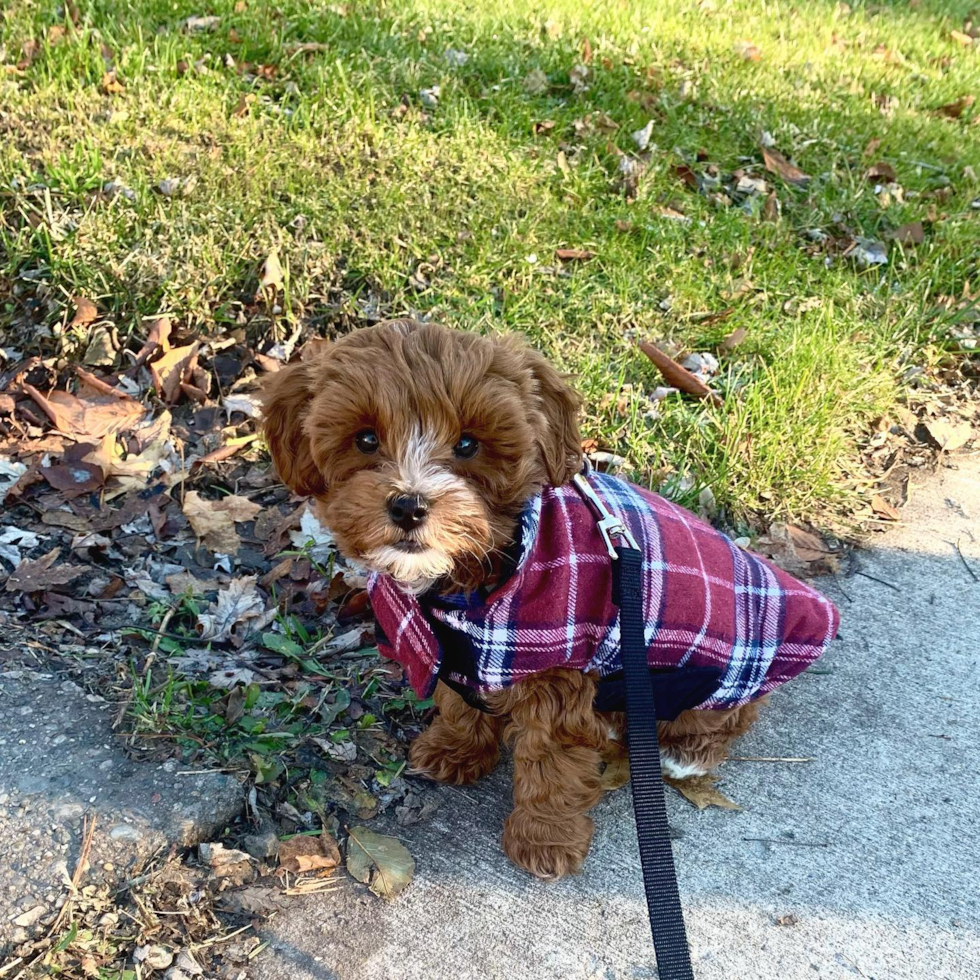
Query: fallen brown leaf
[(271, 279), (797, 551), (42, 573), (871, 148), (573, 254), (111, 84), (911, 234), (157, 338), (884, 509), (85, 312), (732, 340), (880, 171), (382, 863), (686, 174), (213, 521), (226, 862), (677, 376), (948, 436), (770, 207), (171, 369), (238, 603), (747, 50), (303, 853), (74, 478), (701, 791), (306, 47), (544, 126), (776, 163), (616, 773), (960, 37), (28, 52), (956, 108), (93, 412)]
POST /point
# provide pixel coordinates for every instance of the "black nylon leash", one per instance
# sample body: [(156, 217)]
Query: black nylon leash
[(646, 779)]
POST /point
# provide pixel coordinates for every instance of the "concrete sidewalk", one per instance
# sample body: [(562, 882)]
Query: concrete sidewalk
[(872, 846)]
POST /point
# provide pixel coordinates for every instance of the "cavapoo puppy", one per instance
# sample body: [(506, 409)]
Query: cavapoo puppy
[(443, 461)]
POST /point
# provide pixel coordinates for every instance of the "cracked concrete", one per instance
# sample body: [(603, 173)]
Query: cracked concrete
[(59, 760)]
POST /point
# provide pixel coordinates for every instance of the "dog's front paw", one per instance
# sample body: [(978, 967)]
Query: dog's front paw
[(433, 755), (548, 850)]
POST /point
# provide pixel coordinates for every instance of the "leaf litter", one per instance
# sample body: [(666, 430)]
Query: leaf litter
[(141, 524)]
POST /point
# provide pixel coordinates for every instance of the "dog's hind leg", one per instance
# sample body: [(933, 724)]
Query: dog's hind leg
[(696, 742)]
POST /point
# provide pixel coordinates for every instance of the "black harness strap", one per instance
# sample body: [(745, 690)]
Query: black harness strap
[(646, 780)]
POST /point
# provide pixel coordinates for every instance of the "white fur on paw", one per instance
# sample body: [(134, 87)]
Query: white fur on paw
[(679, 770)]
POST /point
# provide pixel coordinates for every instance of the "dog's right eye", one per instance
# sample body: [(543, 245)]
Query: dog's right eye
[(367, 442)]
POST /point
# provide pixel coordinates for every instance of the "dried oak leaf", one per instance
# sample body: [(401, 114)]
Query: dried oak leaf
[(28, 52), (271, 279), (303, 853), (382, 863), (214, 520), (956, 108), (74, 478), (42, 573), (732, 340), (157, 338), (616, 773), (948, 436), (85, 312), (238, 603), (881, 171), (747, 50), (95, 410), (173, 368), (702, 792), (677, 376), (797, 551), (111, 84), (226, 862), (910, 234), (776, 163), (884, 509)]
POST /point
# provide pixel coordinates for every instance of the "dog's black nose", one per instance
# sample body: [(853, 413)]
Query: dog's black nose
[(408, 512)]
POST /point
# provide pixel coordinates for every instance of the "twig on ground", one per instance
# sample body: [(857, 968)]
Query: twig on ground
[(768, 758), (880, 581), (780, 840), (966, 564)]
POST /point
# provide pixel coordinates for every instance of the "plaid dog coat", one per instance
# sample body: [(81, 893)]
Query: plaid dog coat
[(726, 625)]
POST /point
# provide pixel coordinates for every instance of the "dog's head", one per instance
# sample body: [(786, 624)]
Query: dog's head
[(421, 444)]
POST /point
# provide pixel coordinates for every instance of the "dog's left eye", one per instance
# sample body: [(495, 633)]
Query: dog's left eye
[(466, 447), (367, 442)]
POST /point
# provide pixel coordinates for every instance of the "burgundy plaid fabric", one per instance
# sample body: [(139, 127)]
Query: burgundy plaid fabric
[(708, 604)]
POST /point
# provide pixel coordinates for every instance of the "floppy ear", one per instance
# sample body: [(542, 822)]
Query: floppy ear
[(286, 398), (558, 437)]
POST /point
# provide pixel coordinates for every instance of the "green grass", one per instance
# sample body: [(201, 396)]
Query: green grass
[(465, 193)]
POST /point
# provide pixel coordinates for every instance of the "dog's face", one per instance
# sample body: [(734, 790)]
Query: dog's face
[(421, 444)]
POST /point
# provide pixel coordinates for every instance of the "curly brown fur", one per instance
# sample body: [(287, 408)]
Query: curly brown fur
[(462, 743), (418, 389)]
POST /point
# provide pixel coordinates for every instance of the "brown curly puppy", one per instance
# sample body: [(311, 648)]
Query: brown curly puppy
[(423, 447)]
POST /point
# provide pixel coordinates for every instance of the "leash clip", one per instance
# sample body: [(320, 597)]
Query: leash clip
[(608, 524)]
